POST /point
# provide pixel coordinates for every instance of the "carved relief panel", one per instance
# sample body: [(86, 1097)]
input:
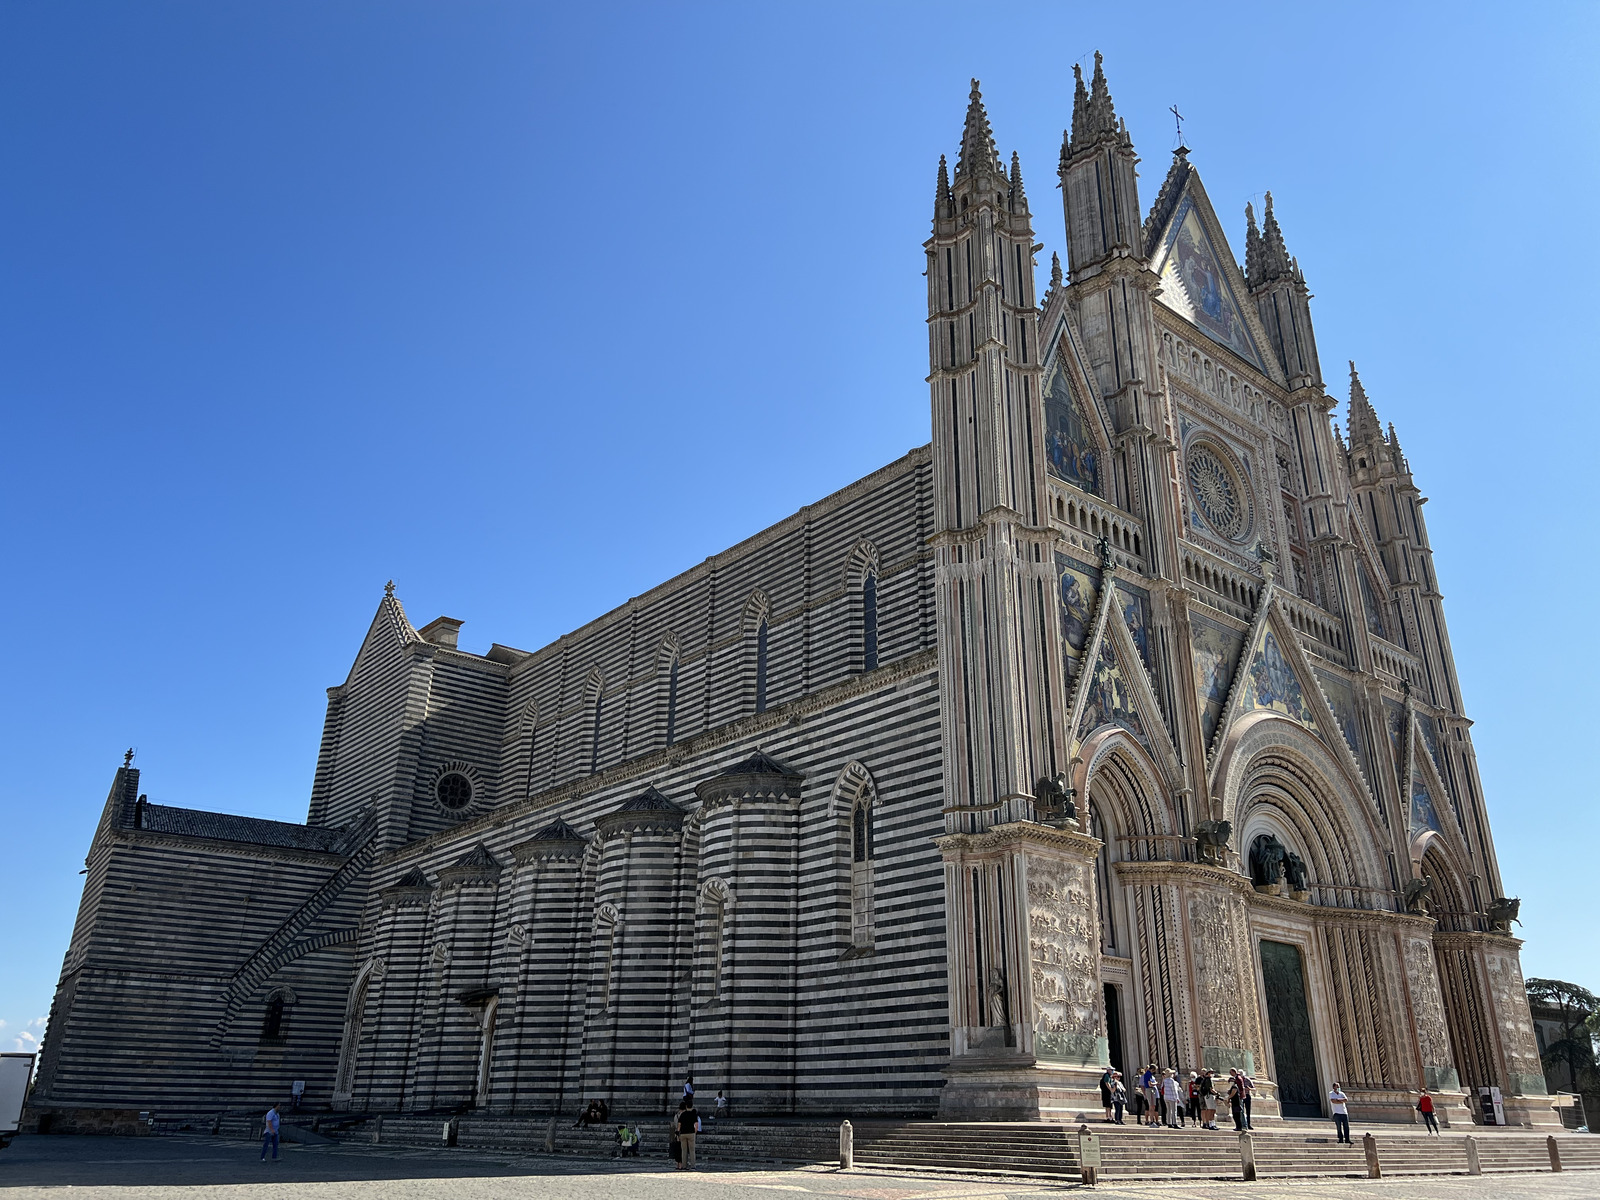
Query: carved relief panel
[(1427, 1010), (1063, 961), (1510, 997), (1224, 984)]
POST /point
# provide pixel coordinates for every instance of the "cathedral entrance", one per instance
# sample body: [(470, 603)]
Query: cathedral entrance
[(1114, 1027), (1292, 1051)]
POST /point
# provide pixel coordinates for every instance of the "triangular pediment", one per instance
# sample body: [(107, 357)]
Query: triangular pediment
[(1077, 440), (1270, 683), (1274, 677), (1113, 688), (1216, 648), (390, 631), (1427, 798), (1201, 281)]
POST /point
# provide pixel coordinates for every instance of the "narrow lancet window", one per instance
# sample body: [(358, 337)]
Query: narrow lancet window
[(869, 622), (761, 666), (672, 701)]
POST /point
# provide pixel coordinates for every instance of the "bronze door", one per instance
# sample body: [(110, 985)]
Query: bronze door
[(1292, 1050)]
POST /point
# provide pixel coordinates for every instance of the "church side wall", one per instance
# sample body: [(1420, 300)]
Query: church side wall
[(175, 918), (599, 957)]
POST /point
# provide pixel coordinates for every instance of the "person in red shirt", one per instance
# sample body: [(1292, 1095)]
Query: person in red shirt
[(1425, 1107)]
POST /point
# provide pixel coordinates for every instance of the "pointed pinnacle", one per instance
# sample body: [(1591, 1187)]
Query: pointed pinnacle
[(1080, 111), (1019, 198), (1252, 247), (1364, 425), (1101, 113), (977, 140), (388, 588), (1275, 255), (1055, 271), (941, 196)]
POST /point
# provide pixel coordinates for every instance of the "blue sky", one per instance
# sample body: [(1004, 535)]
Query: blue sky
[(530, 307)]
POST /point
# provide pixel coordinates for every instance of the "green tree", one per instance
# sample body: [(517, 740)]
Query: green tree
[(1579, 1018)]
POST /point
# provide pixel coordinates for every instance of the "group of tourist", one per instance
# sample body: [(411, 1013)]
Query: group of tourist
[(1162, 1098)]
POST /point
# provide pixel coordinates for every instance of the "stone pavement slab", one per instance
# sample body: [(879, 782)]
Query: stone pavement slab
[(182, 1168)]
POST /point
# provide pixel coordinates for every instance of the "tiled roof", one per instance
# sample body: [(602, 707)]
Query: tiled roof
[(760, 764), (648, 800), (226, 827)]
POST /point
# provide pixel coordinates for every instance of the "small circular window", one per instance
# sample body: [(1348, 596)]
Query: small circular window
[(454, 791), (1217, 493)]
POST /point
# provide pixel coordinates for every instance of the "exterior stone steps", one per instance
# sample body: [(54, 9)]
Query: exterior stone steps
[(1037, 1149)]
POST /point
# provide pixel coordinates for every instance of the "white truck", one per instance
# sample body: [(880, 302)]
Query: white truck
[(16, 1072)]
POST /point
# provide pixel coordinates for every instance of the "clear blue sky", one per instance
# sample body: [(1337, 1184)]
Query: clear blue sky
[(530, 307)]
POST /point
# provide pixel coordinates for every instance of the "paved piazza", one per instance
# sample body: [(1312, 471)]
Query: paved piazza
[(136, 1168)]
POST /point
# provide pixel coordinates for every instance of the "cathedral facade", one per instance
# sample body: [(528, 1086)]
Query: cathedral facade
[(1117, 725)]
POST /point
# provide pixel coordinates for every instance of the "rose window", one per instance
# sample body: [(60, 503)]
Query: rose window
[(1216, 493)]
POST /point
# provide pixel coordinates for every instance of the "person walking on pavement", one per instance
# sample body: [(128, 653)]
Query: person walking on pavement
[(1341, 1114), (1425, 1107), (688, 1126), (269, 1133)]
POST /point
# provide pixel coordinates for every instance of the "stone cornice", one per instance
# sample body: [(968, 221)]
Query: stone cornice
[(1168, 871), (180, 841), (1473, 937), (1016, 833)]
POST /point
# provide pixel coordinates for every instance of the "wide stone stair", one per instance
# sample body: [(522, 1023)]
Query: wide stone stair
[(1036, 1149)]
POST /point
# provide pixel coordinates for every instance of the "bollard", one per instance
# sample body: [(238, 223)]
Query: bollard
[(1370, 1145), (847, 1145), (1247, 1157), (1474, 1167), (550, 1135), (1555, 1153), (1088, 1156)]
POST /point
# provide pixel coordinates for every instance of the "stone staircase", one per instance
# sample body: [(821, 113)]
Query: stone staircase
[(1036, 1149), (1028, 1148)]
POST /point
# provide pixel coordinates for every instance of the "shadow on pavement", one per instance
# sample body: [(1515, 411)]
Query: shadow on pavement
[(35, 1160)]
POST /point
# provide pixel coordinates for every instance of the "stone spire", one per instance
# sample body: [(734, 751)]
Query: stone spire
[(943, 205), (977, 140), (1055, 271), (1363, 424), (1093, 114), (1019, 198), (1253, 248), (1274, 260), (1400, 463)]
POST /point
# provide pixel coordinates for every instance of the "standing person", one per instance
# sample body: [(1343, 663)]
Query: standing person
[(1249, 1086), (1119, 1096), (688, 1126), (1194, 1097), (688, 1087), (1208, 1100), (1106, 1077), (1236, 1100), (1147, 1089), (674, 1146), (1341, 1114), (721, 1110), (269, 1133), (1425, 1107), (1169, 1096)]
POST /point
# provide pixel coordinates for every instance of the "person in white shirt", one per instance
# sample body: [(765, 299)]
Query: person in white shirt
[(1341, 1114), (269, 1134), (1169, 1093)]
